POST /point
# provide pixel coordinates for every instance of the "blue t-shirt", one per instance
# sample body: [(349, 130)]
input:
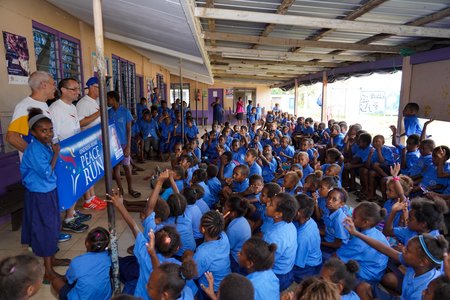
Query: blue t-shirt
[(350, 296), (338, 141), (148, 128), (191, 132), (195, 214), (430, 177), (334, 227), (239, 156), (228, 169), (202, 205), (213, 256), (404, 234), (269, 170), (166, 130), (412, 125), (239, 187), (421, 165), (265, 284), (90, 274), (254, 169), (387, 154), (413, 286), (120, 117), (208, 197), (284, 235), (289, 151), (308, 245), (363, 153), (306, 171), (36, 170), (214, 186), (183, 224), (388, 206), (139, 109), (238, 231), (372, 263), (411, 160)]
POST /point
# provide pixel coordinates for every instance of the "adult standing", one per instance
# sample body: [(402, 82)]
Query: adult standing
[(66, 124), (122, 118), (156, 99), (240, 111), (217, 111), (88, 110)]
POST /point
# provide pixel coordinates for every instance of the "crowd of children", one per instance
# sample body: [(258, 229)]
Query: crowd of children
[(261, 206)]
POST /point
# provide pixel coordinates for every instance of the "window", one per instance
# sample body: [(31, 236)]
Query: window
[(124, 81), (162, 86), (57, 53), (175, 92)]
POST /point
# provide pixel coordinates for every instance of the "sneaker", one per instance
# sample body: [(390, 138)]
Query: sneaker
[(96, 205), (80, 217), (99, 201), (64, 237), (74, 226)]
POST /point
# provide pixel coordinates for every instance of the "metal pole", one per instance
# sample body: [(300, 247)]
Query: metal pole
[(324, 97), (182, 108), (295, 97), (196, 99), (98, 28)]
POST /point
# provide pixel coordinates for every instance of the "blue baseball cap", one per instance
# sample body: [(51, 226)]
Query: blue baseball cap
[(91, 81)]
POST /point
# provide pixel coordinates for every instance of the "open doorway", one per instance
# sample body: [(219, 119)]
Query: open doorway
[(246, 94)]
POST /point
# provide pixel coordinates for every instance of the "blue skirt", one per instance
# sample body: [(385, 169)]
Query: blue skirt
[(41, 222)]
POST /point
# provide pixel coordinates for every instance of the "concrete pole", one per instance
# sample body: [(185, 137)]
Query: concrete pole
[(324, 97)]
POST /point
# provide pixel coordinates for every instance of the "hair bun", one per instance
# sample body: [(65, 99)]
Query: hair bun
[(352, 266), (273, 247)]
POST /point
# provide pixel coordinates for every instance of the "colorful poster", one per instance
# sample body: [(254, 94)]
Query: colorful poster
[(17, 58), (229, 93), (80, 163)]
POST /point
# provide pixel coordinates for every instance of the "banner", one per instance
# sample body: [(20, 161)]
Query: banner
[(80, 163), (17, 58)]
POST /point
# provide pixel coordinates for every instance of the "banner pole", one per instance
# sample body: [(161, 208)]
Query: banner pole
[(98, 29), (181, 98)]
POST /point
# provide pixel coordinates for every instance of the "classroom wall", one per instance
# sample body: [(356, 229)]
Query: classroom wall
[(16, 16)]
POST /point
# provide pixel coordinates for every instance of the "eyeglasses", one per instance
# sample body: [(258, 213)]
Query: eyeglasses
[(72, 89)]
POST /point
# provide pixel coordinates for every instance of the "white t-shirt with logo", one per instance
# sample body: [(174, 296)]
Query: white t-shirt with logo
[(86, 107), (65, 119)]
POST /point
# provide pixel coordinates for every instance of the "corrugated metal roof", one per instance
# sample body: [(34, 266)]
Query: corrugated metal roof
[(395, 12)]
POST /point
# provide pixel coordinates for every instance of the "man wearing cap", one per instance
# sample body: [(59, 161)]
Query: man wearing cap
[(66, 124), (88, 111)]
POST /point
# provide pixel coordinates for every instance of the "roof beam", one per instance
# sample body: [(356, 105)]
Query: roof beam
[(256, 76), (218, 59), (313, 22), (231, 37), (267, 68), (211, 22), (282, 9), (282, 56)]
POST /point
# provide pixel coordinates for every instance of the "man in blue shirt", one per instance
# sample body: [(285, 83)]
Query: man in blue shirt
[(249, 110), (121, 117)]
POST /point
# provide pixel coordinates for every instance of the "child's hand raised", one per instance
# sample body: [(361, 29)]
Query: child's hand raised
[(116, 198), (399, 206), (395, 169), (440, 154), (164, 175), (349, 225), (393, 129), (210, 289), (151, 244)]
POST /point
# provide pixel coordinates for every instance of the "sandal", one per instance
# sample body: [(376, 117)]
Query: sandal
[(139, 169), (61, 262), (134, 194)]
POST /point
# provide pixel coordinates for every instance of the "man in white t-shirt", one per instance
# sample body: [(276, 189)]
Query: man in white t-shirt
[(89, 115), (42, 87)]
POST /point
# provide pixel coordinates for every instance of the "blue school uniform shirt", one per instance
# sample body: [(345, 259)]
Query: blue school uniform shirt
[(239, 156), (183, 224), (388, 206), (214, 186), (372, 264), (37, 173), (169, 191), (148, 129), (350, 296), (139, 109), (308, 130), (412, 125), (413, 286), (284, 235), (387, 153), (411, 160), (421, 166), (254, 169), (145, 265), (306, 171), (252, 118), (265, 284), (166, 129), (430, 177), (289, 151), (239, 187), (228, 169), (189, 172), (270, 118), (238, 231), (90, 274), (308, 245), (208, 197), (338, 141), (191, 132), (120, 118), (404, 234), (195, 214), (334, 227), (134, 128), (202, 205), (363, 153), (213, 256), (269, 170)]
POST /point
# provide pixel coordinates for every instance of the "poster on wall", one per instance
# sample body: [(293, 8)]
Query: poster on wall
[(229, 93), (17, 58)]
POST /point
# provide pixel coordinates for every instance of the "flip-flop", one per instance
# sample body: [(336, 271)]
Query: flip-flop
[(134, 194), (139, 169)]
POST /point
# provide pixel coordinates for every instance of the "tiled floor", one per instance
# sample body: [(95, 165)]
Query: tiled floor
[(10, 240)]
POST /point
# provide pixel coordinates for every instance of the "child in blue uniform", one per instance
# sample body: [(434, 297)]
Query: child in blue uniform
[(372, 263), (282, 209), (309, 257), (213, 182), (199, 177), (194, 213), (422, 256), (257, 258), (166, 134), (214, 254), (238, 229), (410, 121), (343, 275), (41, 215), (88, 274)]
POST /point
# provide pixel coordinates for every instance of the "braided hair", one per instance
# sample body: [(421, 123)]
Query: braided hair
[(213, 223), (97, 240)]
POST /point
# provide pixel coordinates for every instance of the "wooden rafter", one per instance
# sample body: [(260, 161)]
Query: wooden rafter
[(211, 22), (313, 22), (231, 37), (282, 9), (216, 59), (282, 56)]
